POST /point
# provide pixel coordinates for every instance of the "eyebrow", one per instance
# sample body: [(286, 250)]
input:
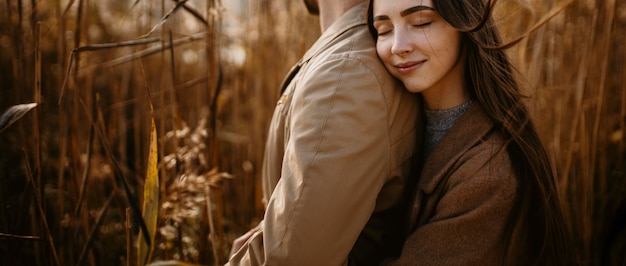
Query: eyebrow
[(405, 12), (414, 9)]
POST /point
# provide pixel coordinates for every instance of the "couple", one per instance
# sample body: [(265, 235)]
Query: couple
[(350, 179)]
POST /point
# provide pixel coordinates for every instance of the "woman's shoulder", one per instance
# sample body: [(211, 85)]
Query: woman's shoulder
[(488, 162), (471, 150)]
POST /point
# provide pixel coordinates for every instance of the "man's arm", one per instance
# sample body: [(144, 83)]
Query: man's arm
[(243, 239), (335, 164)]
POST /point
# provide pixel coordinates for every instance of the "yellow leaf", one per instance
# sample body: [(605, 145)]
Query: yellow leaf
[(150, 201)]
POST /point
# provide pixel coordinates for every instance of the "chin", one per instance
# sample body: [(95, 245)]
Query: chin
[(413, 89)]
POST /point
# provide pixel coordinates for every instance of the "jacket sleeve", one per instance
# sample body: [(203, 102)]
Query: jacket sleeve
[(465, 225), (336, 161)]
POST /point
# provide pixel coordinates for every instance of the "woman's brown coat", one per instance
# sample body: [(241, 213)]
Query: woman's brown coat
[(464, 196)]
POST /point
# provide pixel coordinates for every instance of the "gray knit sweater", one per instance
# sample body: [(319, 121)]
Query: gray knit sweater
[(438, 122)]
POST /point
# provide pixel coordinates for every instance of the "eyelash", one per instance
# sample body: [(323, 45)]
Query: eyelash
[(416, 25), (382, 33), (423, 24)]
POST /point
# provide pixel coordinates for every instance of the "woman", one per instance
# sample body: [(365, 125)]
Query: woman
[(486, 193)]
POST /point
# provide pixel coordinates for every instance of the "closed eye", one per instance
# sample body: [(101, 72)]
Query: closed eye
[(421, 25), (383, 27), (383, 33)]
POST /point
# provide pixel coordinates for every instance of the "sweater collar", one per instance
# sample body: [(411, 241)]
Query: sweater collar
[(464, 134)]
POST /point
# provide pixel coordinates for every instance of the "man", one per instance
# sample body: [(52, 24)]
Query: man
[(338, 155)]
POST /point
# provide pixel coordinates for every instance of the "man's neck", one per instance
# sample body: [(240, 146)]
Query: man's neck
[(331, 10)]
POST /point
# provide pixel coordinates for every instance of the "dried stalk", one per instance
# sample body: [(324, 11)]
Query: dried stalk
[(207, 195), (42, 213), (145, 52), (194, 13), (129, 246), (605, 48), (85, 175), (179, 4), (36, 113), (95, 47), (4, 236), (539, 24), (622, 141), (118, 175), (99, 220)]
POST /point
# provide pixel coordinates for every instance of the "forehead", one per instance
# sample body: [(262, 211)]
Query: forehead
[(394, 7)]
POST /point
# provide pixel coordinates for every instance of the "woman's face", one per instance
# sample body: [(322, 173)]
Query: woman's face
[(421, 49)]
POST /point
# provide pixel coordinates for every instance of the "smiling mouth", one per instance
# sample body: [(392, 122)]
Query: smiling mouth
[(407, 67)]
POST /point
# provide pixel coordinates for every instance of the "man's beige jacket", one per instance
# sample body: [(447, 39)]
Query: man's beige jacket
[(337, 159)]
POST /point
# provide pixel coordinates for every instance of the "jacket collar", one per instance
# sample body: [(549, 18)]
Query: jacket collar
[(465, 133), (356, 16)]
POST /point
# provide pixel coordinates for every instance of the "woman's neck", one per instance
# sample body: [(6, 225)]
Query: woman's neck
[(445, 97)]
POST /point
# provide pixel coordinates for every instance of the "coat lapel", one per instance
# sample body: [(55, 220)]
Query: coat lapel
[(465, 133)]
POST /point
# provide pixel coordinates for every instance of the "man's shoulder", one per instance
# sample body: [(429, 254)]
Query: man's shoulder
[(355, 49), (355, 43)]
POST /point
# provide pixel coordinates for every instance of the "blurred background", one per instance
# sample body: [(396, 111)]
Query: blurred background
[(72, 170)]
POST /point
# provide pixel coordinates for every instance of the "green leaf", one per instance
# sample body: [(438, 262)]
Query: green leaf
[(14, 113), (150, 201)]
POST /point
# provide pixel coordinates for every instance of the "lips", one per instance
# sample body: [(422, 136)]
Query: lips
[(406, 67)]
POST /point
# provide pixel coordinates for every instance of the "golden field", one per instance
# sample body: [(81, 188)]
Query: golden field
[(73, 169)]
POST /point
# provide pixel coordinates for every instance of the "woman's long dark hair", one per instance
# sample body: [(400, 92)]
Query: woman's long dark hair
[(537, 218)]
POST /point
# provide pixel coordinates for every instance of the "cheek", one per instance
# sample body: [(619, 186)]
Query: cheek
[(448, 50), (384, 51), (384, 54)]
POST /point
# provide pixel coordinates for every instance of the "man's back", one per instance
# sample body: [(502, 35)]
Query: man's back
[(337, 157)]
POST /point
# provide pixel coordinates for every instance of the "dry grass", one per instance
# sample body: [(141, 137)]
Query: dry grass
[(575, 67), (74, 167)]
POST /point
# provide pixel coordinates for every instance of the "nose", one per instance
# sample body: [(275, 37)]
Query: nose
[(401, 43)]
